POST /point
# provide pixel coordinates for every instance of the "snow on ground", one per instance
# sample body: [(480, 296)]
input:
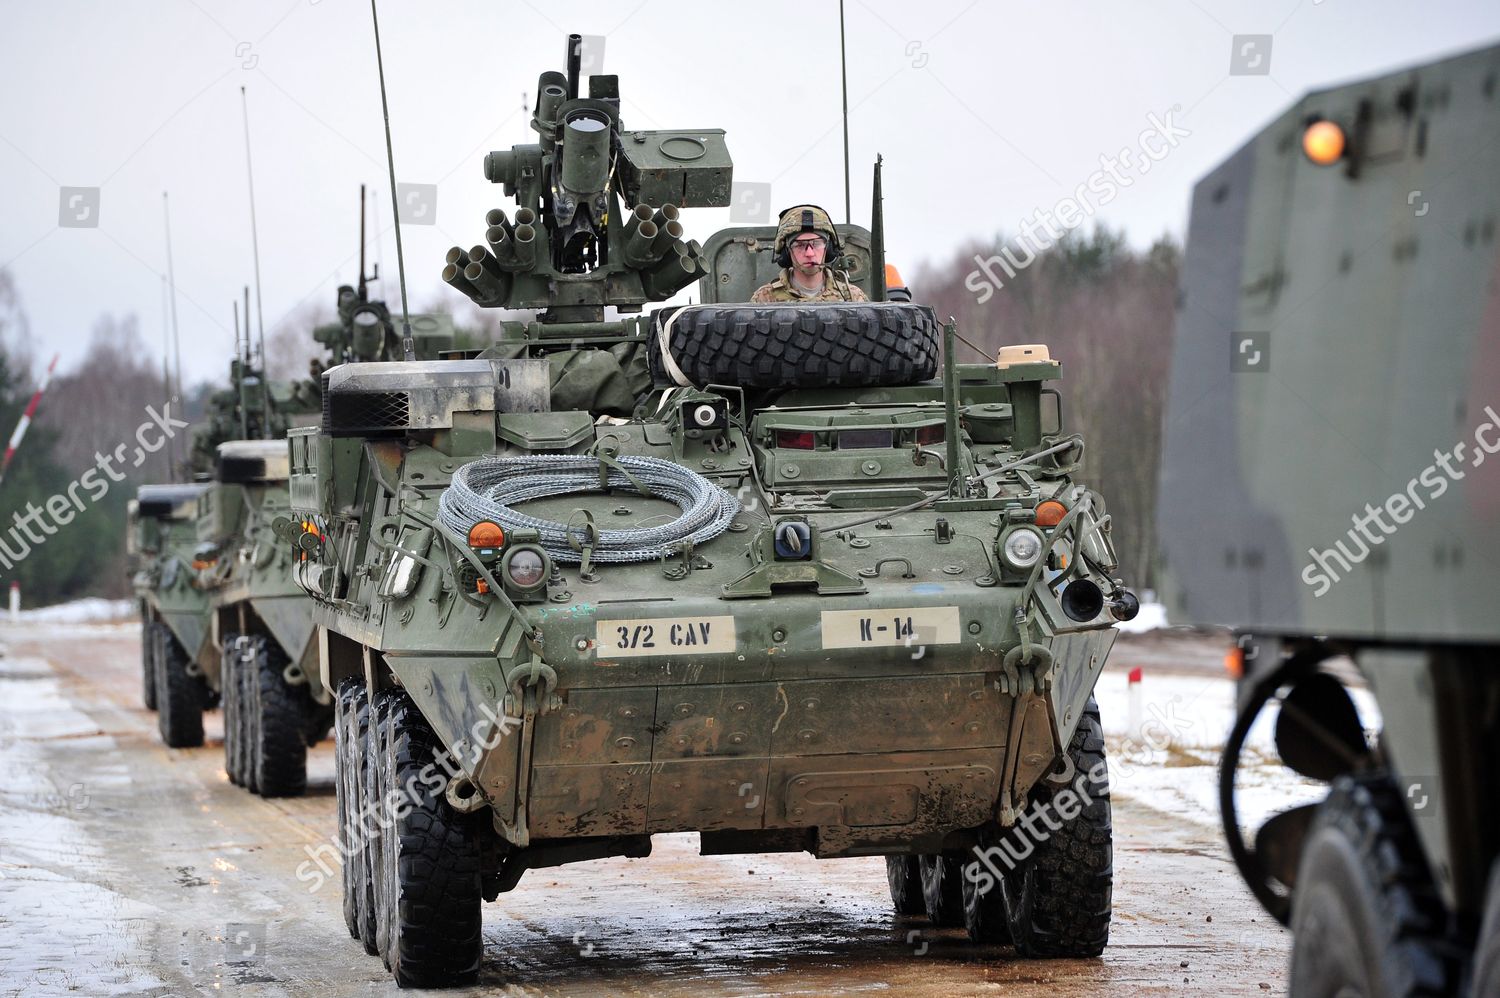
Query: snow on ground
[(83, 611), (1153, 616), (64, 933), (1165, 739)]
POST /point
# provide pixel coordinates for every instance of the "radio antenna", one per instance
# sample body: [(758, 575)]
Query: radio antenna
[(408, 350), (166, 374), (260, 312), (166, 218), (361, 242), (844, 76), (239, 368)]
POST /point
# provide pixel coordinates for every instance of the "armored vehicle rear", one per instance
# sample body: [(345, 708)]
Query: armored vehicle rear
[(1329, 490)]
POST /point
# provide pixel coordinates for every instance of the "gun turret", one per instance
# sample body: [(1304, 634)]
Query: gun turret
[(571, 248)]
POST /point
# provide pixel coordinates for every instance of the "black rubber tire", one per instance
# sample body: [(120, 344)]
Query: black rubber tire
[(278, 750), (148, 666), (942, 890), (1058, 896), (379, 823), (904, 877), (233, 705), (1366, 918), (1487, 949), (320, 722), (855, 344), (985, 914), (432, 870), (360, 848), (345, 796), (179, 696)]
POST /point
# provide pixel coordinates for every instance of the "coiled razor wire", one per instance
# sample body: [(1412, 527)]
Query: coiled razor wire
[(489, 488)]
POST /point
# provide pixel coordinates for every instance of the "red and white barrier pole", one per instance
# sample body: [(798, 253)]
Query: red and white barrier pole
[(15, 438)]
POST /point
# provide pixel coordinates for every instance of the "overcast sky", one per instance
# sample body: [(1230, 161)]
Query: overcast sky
[(984, 111)]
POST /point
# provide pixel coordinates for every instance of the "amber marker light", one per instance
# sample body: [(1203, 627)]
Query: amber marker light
[(1323, 143), (486, 534), (1050, 513), (1234, 663)]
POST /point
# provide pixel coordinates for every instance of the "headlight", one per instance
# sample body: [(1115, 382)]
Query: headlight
[(1022, 548), (525, 568)]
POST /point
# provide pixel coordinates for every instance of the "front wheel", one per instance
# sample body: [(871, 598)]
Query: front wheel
[(148, 665), (278, 750), (431, 867), (232, 707), (179, 695), (1058, 887), (1366, 919)]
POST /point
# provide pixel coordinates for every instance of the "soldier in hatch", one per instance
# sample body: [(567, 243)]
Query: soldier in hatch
[(806, 245)]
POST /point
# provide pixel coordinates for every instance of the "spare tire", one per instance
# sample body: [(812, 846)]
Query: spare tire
[(829, 344)]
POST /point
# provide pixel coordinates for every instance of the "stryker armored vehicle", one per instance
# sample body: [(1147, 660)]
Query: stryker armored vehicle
[(257, 654), (260, 623), (173, 610), (1329, 490), (755, 572)]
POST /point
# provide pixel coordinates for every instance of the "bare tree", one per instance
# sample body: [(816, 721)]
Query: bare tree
[(97, 406), (1106, 313)]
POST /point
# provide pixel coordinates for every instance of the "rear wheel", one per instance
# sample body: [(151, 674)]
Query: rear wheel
[(432, 865), (904, 877), (1059, 891), (179, 696), (985, 916), (1366, 919), (942, 888)]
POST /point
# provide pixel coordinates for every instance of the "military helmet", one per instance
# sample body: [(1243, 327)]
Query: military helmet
[(800, 218)]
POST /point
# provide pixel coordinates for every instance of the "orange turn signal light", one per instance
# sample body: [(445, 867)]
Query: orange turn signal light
[(1234, 663), (1050, 513), (1323, 142), (486, 534)]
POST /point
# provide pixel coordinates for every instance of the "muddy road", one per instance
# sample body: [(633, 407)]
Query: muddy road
[(128, 868)]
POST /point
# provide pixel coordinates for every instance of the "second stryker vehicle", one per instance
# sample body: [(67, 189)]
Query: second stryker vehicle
[(173, 610), (255, 651), (1330, 489), (755, 572), (260, 623)]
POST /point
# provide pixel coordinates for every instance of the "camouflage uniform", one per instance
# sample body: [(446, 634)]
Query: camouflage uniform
[(836, 285), (835, 288)]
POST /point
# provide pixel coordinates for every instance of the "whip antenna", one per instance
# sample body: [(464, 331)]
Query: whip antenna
[(260, 316), (408, 350), (166, 219), (844, 76)]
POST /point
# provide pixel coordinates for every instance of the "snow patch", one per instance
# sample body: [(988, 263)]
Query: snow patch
[(83, 611), (1153, 616)]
